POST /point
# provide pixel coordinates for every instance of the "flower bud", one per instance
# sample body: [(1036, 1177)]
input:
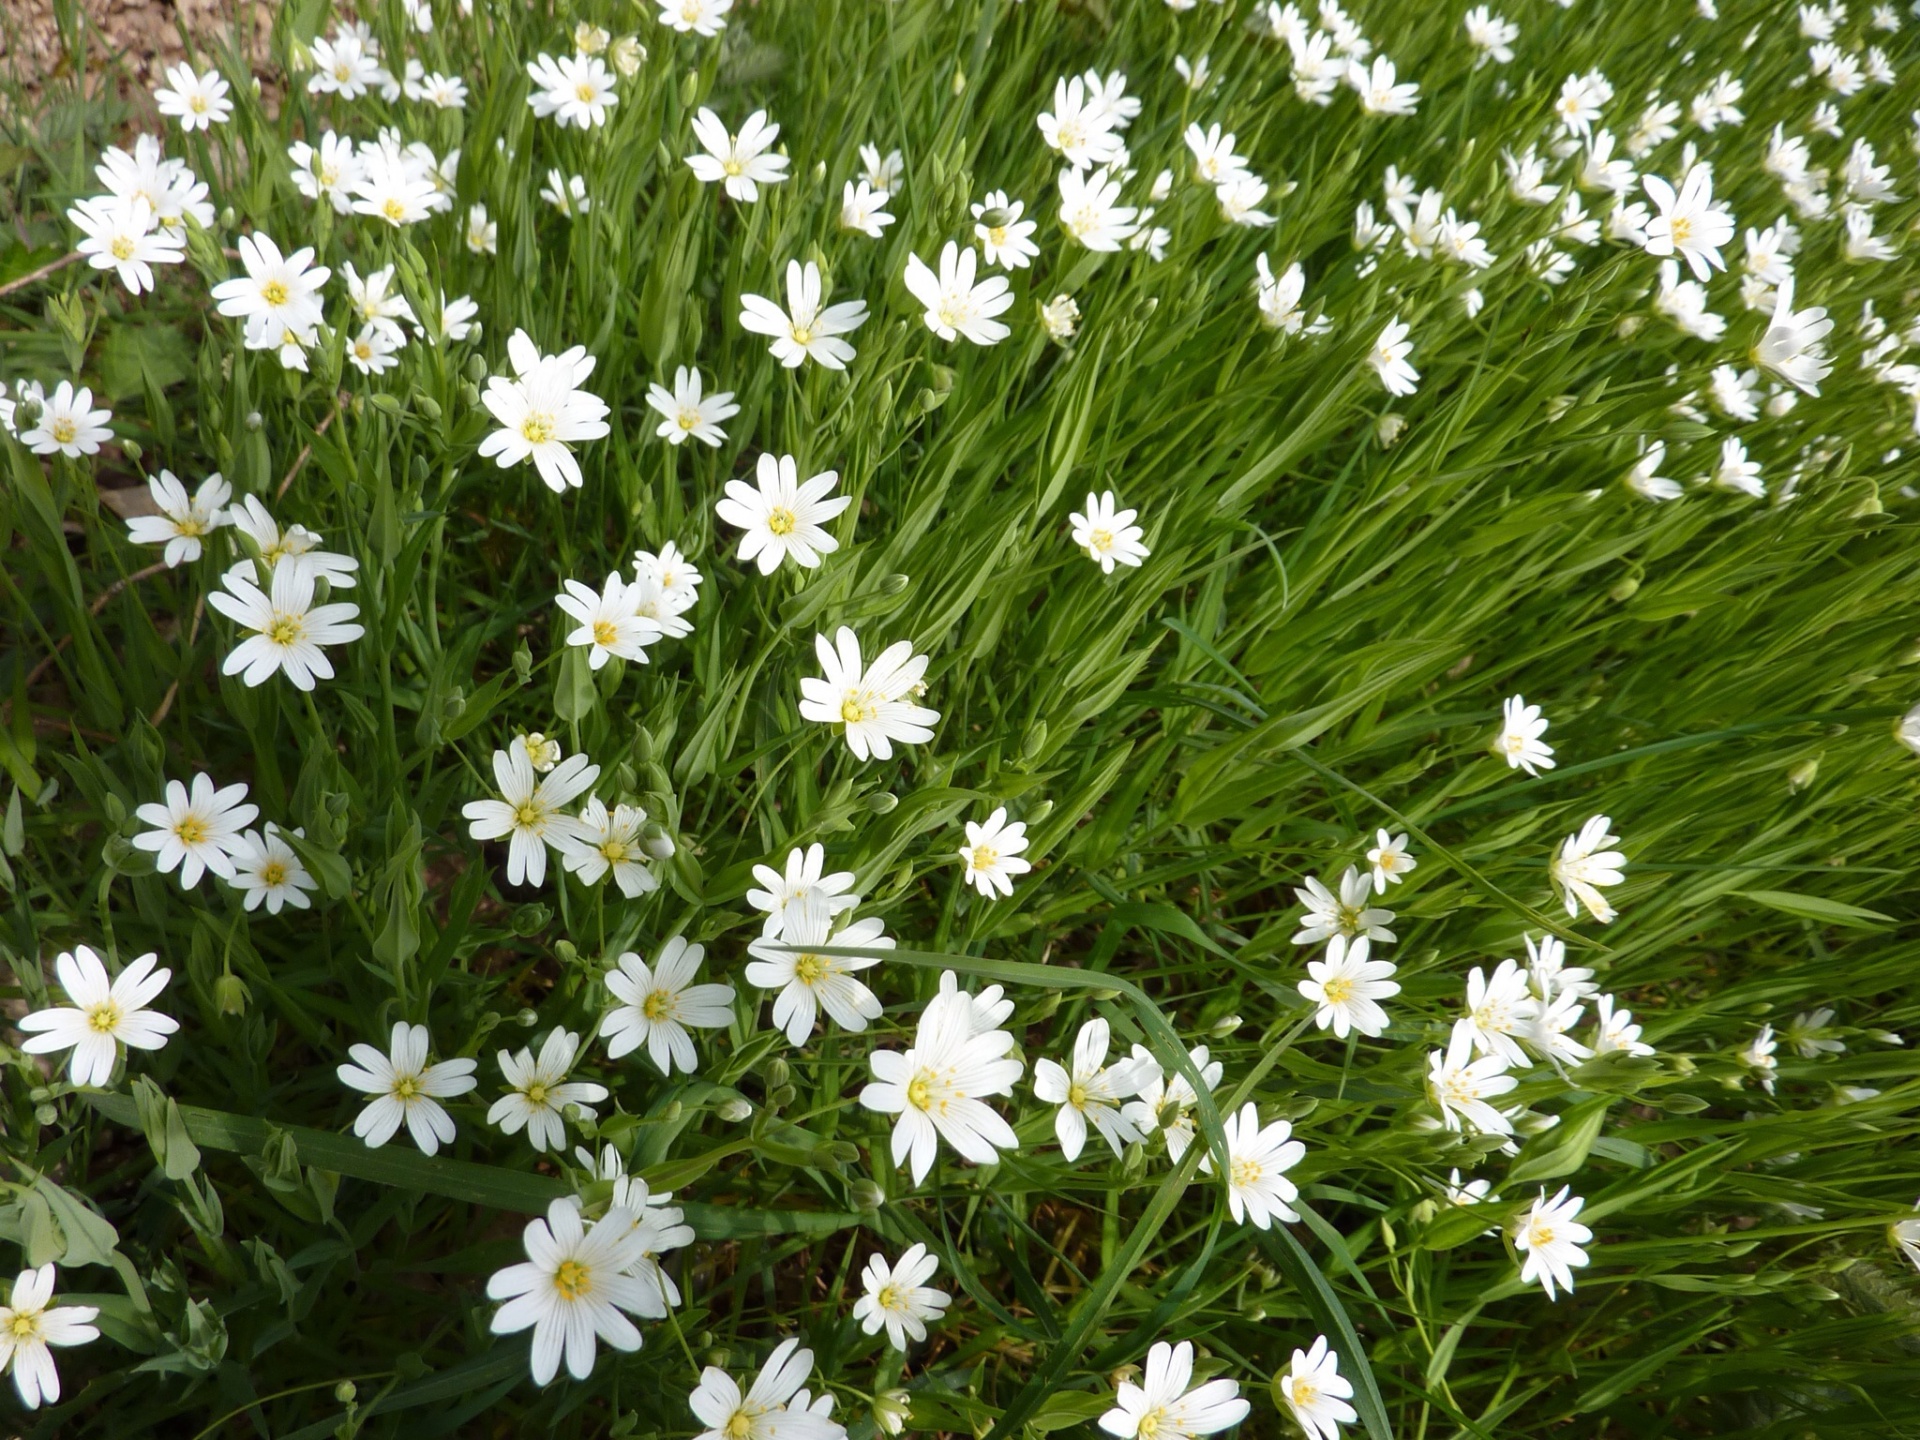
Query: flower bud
[(1801, 775), (867, 1196), (131, 449), (345, 1392), (891, 1408), (1224, 1026), (530, 920), (880, 802), (231, 995), (689, 89), (735, 1110)]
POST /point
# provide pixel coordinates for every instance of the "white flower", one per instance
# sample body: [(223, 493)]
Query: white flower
[(330, 170), (1581, 98), (1552, 976), (785, 960), (1689, 224), (395, 187), (286, 630), (993, 853), (1239, 205), (406, 1088), (106, 1013), (529, 812), (543, 412), (377, 301), (805, 329), (1108, 534), (1090, 212), (373, 350), (1492, 35), (1092, 1091), (1584, 864), (279, 294), (1643, 480), (266, 869), (882, 172), (1061, 316), (955, 304), (677, 578), (1167, 1405), (762, 1412), (1080, 129), (689, 412), (483, 234), (698, 17), (182, 522), (68, 424), (541, 1092), (1685, 303), (28, 1326), (197, 832), (1863, 246), (1214, 160), (121, 235), (1519, 741), (898, 1297), (1166, 1100), (1551, 1238), (1791, 347), (1759, 1057), (611, 842), (938, 1088), (607, 622), (740, 163), (1461, 1086), (782, 517), (659, 1004), (572, 1288), (574, 90), (804, 885), (1005, 239), (296, 545), (1501, 1009), (1314, 1389), (1258, 1160), (864, 209), (1904, 1234), (1389, 359), (198, 102), (1389, 861), (1345, 986), (1615, 1032), (1279, 297), (567, 194), (345, 65), (1380, 90), (1346, 914), (870, 701)]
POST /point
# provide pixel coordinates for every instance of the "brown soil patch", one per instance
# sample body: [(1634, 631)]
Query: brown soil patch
[(127, 43)]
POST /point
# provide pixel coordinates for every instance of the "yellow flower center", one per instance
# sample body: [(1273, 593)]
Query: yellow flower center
[(537, 428), (1245, 1172), (920, 1092), (1303, 1392), (63, 430), (274, 292), (24, 1327), (273, 873), (572, 1279), (1077, 1095), (657, 1006), (1101, 540), (104, 1018), (856, 708), (802, 335), (732, 166), (810, 969), (285, 630), (584, 93), (985, 857), (190, 830), (1149, 1425), (997, 234), (197, 104), (889, 1298), (528, 815), (407, 1087), (1539, 1234), (1681, 228), (781, 520), (122, 247), (537, 1093), (190, 526), (689, 420), (605, 632), (615, 852), (739, 1425), (1338, 990), (394, 210)]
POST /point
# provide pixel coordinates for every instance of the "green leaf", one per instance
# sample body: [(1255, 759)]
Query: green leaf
[(90, 1239), (1818, 908), (1571, 1139)]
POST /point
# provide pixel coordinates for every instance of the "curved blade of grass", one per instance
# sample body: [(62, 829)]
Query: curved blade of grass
[(1292, 1260)]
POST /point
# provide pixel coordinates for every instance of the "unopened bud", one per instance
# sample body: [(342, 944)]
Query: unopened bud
[(880, 802), (735, 1110), (131, 449), (778, 1072), (1801, 775), (689, 89), (867, 1196), (890, 1411), (1624, 589), (345, 1392), (231, 995), (1224, 1026)]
